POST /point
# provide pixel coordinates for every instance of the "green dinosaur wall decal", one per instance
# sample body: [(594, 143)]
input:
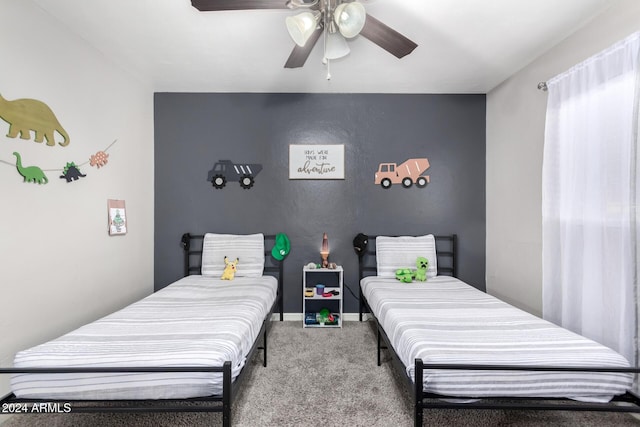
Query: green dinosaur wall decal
[(30, 173)]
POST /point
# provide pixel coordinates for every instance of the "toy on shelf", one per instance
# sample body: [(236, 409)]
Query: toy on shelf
[(326, 317), (311, 319)]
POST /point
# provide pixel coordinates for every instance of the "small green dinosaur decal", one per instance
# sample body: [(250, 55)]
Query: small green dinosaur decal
[(30, 173)]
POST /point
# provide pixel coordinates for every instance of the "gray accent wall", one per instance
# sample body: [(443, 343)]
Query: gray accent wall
[(195, 130)]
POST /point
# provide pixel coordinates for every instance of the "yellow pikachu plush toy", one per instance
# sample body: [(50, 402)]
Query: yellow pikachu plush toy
[(230, 269)]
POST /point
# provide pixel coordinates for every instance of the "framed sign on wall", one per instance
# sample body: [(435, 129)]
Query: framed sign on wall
[(117, 217), (316, 161)]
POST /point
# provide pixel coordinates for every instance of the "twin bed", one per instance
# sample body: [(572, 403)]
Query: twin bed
[(459, 347), (188, 342)]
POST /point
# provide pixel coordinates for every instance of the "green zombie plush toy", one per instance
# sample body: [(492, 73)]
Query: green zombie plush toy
[(422, 265), (406, 275)]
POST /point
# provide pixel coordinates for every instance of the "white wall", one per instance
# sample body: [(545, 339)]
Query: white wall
[(59, 267), (515, 134)]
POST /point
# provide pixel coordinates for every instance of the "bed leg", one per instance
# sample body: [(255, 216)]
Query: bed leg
[(379, 363), (417, 393), (7, 397), (264, 362), (226, 394), (281, 289)]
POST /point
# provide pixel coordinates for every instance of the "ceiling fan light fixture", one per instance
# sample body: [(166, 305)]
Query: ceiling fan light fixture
[(350, 18), (302, 26), (336, 46)]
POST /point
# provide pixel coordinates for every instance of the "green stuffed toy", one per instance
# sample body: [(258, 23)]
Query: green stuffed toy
[(422, 265), (406, 275)]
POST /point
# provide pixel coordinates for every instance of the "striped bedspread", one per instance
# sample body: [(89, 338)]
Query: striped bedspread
[(196, 321), (445, 320)]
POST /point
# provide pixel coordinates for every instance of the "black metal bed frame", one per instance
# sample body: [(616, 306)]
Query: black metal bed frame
[(217, 403), (423, 400)]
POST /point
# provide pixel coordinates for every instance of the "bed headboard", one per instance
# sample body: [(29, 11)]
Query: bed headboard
[(446, 252), (192, 248)]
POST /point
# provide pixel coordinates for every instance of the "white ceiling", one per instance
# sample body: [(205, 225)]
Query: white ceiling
[(464, 46)]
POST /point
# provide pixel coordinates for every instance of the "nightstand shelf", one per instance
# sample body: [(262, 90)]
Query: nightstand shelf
[(332, 279)]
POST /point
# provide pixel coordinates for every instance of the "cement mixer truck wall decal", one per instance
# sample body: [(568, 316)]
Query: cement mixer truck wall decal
[(408, 173)]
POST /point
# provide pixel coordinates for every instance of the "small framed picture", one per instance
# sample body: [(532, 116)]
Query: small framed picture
[(117, 215)]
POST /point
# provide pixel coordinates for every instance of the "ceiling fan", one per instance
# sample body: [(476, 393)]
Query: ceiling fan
[(341, 18)]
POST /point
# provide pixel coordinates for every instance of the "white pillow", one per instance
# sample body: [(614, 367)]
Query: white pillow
[(249, 249), (401, 252)]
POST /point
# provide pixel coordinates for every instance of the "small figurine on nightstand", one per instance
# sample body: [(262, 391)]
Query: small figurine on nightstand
[(324, 316), (324, 252)]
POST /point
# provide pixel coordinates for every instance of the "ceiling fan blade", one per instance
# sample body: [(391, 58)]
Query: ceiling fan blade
[(387, 38), (299, 54), (215, 5)]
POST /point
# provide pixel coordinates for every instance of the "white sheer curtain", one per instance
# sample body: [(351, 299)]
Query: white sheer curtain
[(589, 197)]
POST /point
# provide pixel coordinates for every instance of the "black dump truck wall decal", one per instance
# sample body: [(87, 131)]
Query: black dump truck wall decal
[(226, 170)]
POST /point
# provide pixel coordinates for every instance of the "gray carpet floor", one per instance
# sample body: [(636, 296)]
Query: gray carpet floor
[(326, 377)]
